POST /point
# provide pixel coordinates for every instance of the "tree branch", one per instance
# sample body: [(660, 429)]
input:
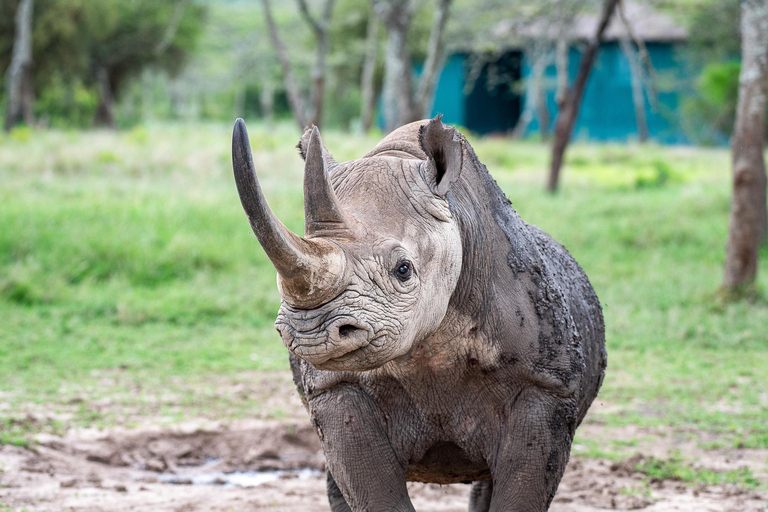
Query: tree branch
[(645, 57), (311, 21), (172, 28)]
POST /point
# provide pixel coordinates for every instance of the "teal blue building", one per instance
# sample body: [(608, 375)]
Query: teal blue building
[(493, 100)]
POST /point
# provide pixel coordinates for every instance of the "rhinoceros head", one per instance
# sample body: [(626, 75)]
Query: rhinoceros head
[(381, 254)]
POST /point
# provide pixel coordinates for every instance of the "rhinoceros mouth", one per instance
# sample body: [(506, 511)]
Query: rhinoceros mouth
[(339, 338)]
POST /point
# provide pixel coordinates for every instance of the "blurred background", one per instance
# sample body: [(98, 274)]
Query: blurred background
[(133, 294), (497, 67)]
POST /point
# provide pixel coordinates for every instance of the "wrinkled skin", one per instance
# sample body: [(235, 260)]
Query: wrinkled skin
[(477, 366)]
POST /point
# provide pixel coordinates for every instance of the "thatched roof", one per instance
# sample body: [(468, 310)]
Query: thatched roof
[(648, 24)]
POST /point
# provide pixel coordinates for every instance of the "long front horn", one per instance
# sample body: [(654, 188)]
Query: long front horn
[(323, 215), (310, 271)]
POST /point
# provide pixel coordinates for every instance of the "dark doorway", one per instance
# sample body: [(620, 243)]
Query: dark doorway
[(493, 105)]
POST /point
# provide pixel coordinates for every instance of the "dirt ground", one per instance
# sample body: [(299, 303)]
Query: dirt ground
[(161, 469)]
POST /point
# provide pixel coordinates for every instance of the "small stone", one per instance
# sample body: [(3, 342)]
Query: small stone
[(66, 484)]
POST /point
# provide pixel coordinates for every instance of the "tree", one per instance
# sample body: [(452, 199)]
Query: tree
[(369, 68), (540, 56), (320, 30), (18, 79), (748, 206), (126, 37), (319, 27), (291, 87), (401, 105), (569, 111), (97, 48), (638, 98)]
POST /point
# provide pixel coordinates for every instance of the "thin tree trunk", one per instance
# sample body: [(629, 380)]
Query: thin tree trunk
[(561, 64), (569, 112), (320, 29), (369, 68), (644, 58), (18, 77), (638, 99), (533, 90), (526, 117), (425, 95), (398, 84), (748, 206), (266, 99), (542, 108), (294, 96), (172, 28), (105, 111)]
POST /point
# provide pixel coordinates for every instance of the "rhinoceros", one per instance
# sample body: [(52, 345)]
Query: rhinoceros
[(434, 336)]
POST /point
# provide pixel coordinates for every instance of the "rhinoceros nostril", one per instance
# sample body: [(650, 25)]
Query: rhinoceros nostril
[(346, 330)]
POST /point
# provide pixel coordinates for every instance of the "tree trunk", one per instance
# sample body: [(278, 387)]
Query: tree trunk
[(638, 99), (566, 117), (561, 64), (105, 111), (425, 96), (369, 68), (542, 107), (644, 59), (533, 91), (294, 96), (398, 84), (267, 100), (320, 29), (18, 77), (748, 206)]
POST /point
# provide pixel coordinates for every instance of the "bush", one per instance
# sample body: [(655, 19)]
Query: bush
[(711, 112)]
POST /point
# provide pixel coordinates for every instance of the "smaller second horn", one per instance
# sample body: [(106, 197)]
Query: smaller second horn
[(322, 211)]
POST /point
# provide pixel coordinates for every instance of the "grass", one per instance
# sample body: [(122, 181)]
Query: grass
[(128, 274), (676, 468)]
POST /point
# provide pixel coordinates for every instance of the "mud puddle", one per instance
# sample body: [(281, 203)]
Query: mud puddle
[(263, 465), (244, 479)]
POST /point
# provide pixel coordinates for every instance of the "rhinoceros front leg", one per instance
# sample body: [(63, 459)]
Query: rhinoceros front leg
[(480, 496), (532, 451), (335, 497), (358, 452)]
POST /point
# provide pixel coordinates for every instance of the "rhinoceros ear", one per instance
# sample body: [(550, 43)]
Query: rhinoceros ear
[(443, 147)]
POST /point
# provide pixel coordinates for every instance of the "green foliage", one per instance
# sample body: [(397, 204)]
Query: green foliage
[(714, 33), (72, 39), (65, 105), (125, 258), (21, 133), (709, 114)]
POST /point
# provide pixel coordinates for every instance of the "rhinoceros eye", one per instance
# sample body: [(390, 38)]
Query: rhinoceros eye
[(404, 270)]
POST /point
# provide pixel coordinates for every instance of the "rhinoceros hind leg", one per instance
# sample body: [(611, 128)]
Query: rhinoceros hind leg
[(480, 496), (335, 498)]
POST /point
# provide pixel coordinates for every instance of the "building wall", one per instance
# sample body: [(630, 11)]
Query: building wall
[(449, 94), (607, 111)]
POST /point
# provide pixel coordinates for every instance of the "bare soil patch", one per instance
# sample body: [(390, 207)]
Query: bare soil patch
[(153, 469)]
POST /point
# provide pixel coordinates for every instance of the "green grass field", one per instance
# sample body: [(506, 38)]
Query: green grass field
[(129, 276)]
